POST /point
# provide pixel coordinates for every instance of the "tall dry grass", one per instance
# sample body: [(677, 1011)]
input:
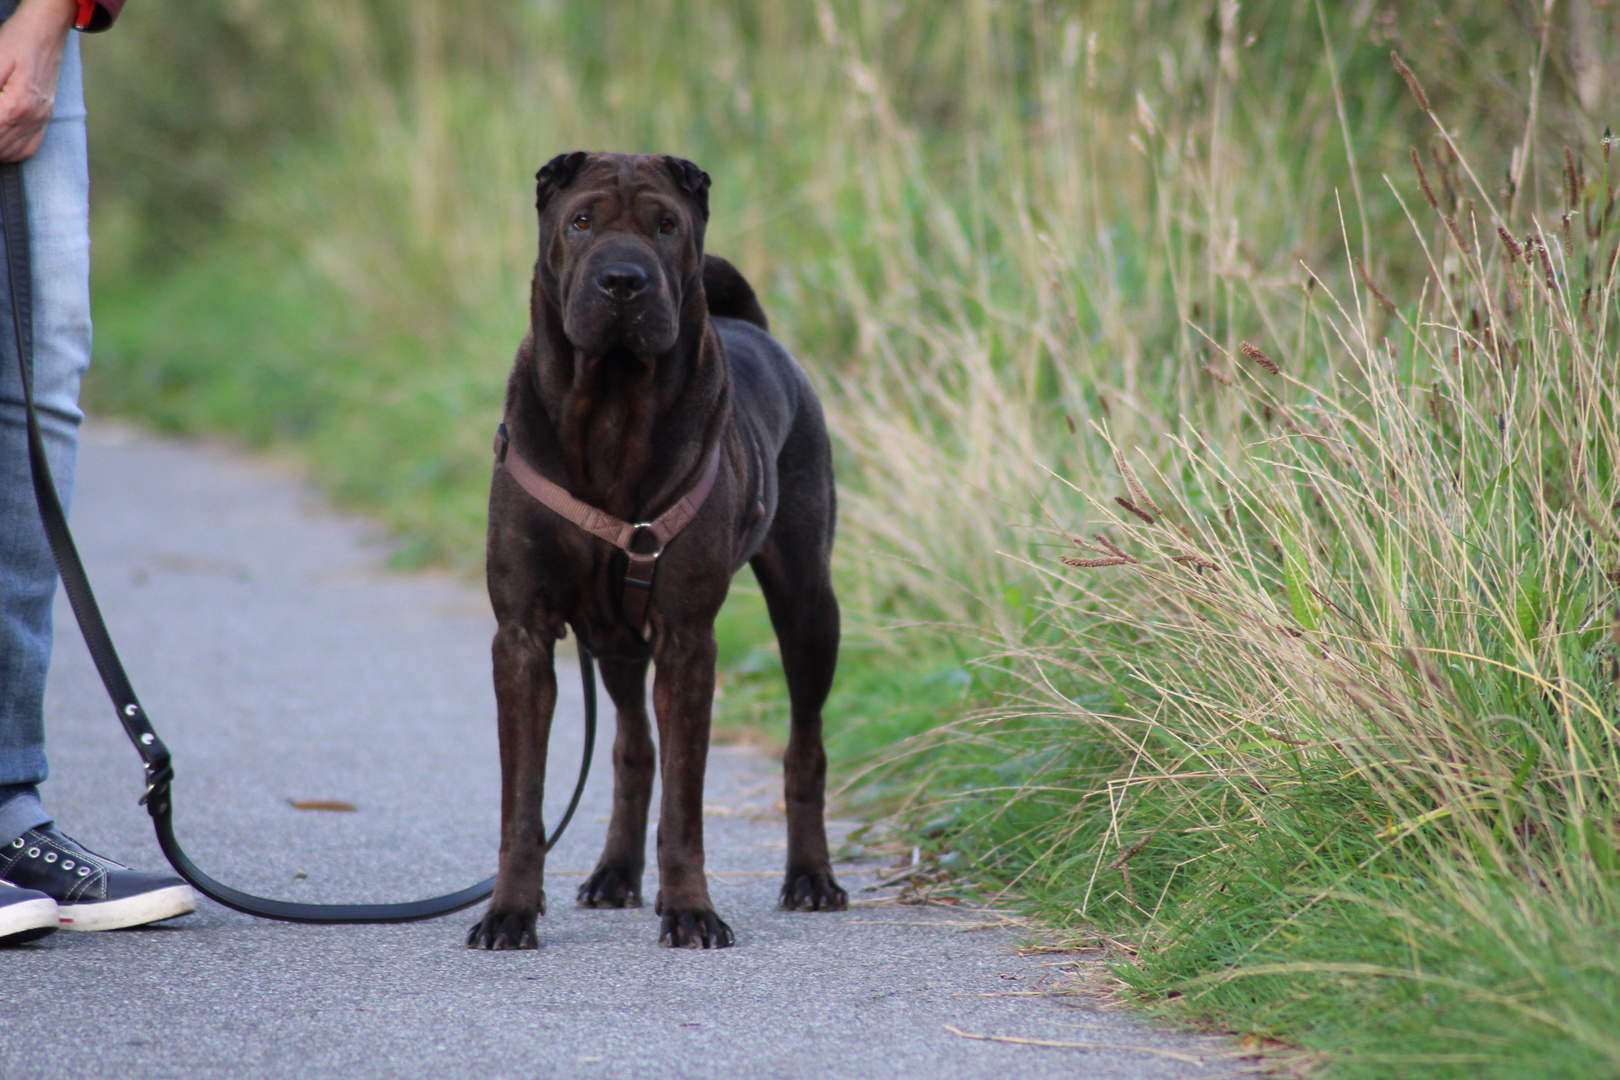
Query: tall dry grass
[(1338, 659)]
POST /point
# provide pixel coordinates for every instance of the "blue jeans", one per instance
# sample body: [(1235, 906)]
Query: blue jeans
[(58, 182)]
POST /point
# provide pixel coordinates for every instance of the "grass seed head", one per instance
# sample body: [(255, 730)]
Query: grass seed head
[(1110, 555), (1361, 268), (1423, 180), (1547, 267), (1593, 522), (1134, 485), (1265, 362), (1457, 234), (1113, 549), (1445, 165), (1411, 80), (1510, 245), (1127, 854), (1072, 560), (1133, 508)]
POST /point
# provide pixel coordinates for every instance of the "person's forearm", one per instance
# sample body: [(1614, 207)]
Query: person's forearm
[(47, 16)]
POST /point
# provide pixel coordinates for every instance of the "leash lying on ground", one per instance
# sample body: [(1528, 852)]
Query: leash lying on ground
[(159, 796)]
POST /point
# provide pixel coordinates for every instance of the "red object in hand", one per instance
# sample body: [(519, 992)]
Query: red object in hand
[(96, 14)]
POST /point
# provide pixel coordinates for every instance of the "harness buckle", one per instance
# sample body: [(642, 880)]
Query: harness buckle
[(157, 782), (502, 441)]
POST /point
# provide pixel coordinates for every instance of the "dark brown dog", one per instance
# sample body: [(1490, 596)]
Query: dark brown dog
[(643, 355)]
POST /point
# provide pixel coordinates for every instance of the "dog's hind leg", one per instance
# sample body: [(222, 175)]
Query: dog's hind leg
[(616, 882), (525, 695), (795, 575)]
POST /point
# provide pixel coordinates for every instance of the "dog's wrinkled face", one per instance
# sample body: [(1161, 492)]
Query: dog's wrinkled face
[(621, 247)]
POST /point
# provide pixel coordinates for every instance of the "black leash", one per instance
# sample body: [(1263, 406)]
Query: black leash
[(159, 797)]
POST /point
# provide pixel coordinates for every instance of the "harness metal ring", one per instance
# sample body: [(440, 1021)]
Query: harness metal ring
[(637, 531)]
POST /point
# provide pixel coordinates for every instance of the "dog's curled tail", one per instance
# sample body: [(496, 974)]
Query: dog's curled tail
[(729, 293)]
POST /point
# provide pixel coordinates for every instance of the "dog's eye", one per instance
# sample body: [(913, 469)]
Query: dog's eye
[(582, 222), (666, 226)]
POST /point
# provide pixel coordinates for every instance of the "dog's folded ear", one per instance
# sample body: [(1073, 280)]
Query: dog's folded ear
[(555, 175), (692, 180)]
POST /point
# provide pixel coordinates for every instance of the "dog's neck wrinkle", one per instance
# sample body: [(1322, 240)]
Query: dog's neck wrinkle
[(606, 429), (628, 433)]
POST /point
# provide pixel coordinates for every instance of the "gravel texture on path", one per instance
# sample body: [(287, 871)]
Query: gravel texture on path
[(281, 660)]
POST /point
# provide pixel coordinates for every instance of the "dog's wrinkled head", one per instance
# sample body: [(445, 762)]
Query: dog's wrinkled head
[(621, 247)]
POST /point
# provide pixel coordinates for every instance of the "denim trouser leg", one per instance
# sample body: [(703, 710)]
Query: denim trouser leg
[(57, 178)]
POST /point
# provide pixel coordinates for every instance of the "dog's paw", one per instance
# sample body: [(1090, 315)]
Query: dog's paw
[(812, 890), (611, 887), (499, 930), (693, 929)]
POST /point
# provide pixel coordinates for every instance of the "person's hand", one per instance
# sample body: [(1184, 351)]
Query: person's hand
[(31, 44)]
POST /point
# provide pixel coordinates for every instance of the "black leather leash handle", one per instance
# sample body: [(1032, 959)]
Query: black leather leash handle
[(159, 797)]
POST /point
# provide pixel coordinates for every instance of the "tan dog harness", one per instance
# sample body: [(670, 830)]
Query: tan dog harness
[(638, 579)]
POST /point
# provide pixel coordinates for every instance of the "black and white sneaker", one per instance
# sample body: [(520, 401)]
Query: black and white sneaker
[(91, 891), (25, 914)]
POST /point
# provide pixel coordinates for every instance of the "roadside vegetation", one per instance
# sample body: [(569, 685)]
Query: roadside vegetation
[(1227, 429)]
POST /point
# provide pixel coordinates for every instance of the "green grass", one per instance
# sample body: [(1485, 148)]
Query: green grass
[(240, 344), (1328, 731)]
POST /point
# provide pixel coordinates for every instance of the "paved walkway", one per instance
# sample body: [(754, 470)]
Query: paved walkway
[(281, 661)]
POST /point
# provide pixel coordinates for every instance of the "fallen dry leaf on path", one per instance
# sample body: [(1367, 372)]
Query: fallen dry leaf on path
[(321, 804)]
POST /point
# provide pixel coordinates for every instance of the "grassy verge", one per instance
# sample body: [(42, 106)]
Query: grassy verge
[(1324, 718), (1330, 715)]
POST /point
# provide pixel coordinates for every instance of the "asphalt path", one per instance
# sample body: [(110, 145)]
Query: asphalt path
[(281, 660)]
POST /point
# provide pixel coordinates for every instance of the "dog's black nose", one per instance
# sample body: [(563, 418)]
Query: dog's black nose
[(622, 281)]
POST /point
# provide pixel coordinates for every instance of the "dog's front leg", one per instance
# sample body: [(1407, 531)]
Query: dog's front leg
[(616, 881), (683, 694), (525, 695)]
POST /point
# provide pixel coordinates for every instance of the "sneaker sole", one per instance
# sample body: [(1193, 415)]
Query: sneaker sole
[(150, 907), (28, 920)]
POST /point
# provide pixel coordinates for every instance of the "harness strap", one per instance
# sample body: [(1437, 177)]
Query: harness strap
[(628, 538)]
